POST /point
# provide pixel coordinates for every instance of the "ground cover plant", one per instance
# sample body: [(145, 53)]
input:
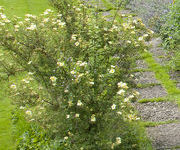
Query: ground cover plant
[(76, 68), (170, 34)]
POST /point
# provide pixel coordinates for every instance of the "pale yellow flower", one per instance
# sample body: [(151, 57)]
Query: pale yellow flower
[(136, 93), (74, 36), (28, 112), (79, 103), (77, 115), (83, 64), (113, 66), (145, 35), (110, 42), (131, 96), (92, 83), (122, 85), (77, 43), (142, 24), (152, 32), (60, 64), (113, 106), (140, 38), (126, 99), (21, 107), (32, 27), (93, 118), (53, 78), (119, 113), (111, 70), (129, 42), (27, 19), (66, 91), (131, 117), (118, 140), (70, 103), (46, 20), (135, 21), (13, 86), (26, 81), (16, 26), (3, 16), (73, 72), (62, 24), (121, 92)]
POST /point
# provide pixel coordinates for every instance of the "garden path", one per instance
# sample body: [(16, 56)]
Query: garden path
[(157, 103), (159, 95)]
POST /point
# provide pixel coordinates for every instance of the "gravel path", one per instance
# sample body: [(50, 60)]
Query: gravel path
[(159, 55), (152, 92), (176, 76), (165, 136), (145, 78), (141, 64), (158, 111)]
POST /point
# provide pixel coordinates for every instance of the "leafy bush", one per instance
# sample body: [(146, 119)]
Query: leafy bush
[(170, 33), (8, 67), (28, 135), (80, 64)]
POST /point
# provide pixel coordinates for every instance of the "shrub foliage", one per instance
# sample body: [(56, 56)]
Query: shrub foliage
[(77, 67), (170, 33)]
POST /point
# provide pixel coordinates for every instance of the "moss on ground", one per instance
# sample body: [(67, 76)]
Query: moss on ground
[(161, 74)]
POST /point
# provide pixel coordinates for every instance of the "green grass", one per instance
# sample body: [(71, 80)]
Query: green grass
[(161, 73), (22, 7), (18, 8), (159, 99), (6, 138), (147, 85), (154, 124), (140, 70)]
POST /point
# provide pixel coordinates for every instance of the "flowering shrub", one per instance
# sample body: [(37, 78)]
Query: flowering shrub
[(7, 65), (78, 65)]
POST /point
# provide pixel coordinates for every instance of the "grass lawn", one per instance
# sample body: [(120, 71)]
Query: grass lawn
[(22, 7), (6, 138), (18, 8)]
